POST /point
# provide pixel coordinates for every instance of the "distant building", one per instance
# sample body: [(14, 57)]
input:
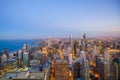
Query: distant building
[(84, 36), (75, 46), (70, 40)]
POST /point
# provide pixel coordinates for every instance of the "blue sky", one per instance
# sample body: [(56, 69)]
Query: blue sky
[(27, 19)]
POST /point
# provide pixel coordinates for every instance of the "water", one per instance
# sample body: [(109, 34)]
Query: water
[(14, 45)]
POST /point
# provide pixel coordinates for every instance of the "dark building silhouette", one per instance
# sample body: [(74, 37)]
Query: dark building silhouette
[(76, 70)]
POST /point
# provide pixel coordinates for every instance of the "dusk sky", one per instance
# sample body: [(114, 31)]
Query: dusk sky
[(29, 19)]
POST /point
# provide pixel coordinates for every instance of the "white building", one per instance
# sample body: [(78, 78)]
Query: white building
[(3, 58)]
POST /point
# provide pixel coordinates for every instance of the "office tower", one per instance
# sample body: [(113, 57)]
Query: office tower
[(103, 69), (84, 36), (25, 47), (3, 58), (77, 52), (20, 54), (25, 58), (84, 42), (77, 68), (19, 62), (61, 70), (93, 53), (75, 47), (69, 50), (6, 52), (106, 58), (70, 41), (82, 56), (106, 55), (85, 69), (49, 41), (115, 69), (40, 67), (42, 57), (70, 58), (66, 56), (35, 56)]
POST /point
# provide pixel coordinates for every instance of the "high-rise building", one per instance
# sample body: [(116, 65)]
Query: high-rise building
[(3, 58), (25, 58), (85, 69), (82, 56), (115, 69), (19, 62), (6, 52), (20, 54), (70, 58), (77, 68), (84, 42), (49, 41), (84, 36), (62, 70), (93, 54), (70, 41), (103, 69), (106, 55), (75, 47)]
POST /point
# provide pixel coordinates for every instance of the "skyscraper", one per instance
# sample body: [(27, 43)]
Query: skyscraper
[(103, 69), (19, 62), (6, 52), (84, 36), (85, 69), (106, 55), (75, 47), (77, 68), (25, 58), (3, 58), (82, 56), (70, 41), (62, 70), (70, 58), (115, 69)]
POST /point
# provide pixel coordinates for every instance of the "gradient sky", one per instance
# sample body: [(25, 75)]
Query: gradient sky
[(27, 19)]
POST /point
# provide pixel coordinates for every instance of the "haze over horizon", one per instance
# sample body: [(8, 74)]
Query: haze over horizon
[(29, 19)]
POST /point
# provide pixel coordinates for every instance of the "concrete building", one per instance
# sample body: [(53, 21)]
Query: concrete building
[(115, 69), (77, 70), (62, 70), (25, 58), (3, 58), (82, 56), (103, 69), (70, 58), (85, 69), (70, 40)]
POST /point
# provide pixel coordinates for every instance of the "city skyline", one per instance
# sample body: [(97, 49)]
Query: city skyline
[(40, 19)]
